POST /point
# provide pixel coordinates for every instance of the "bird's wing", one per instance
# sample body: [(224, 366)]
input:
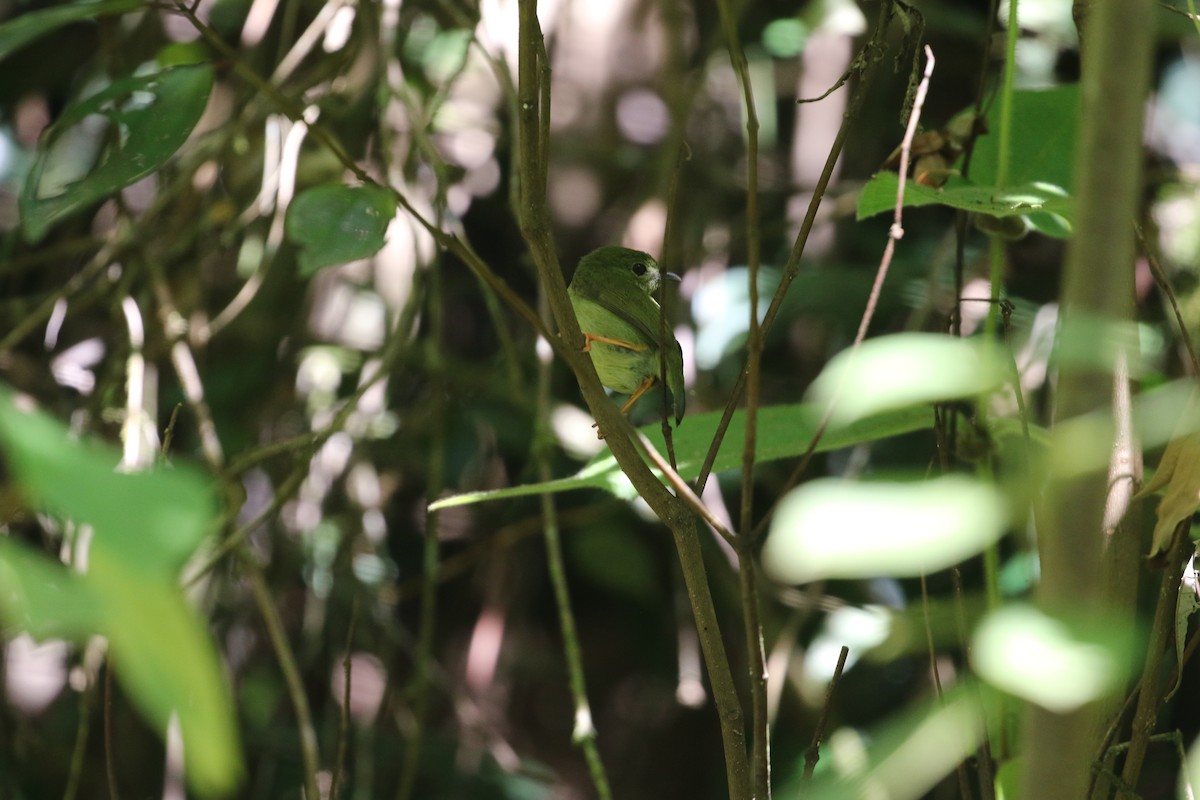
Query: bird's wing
[(675, 379), (636, 308)]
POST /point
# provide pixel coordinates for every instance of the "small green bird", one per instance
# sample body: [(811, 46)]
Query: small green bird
[(613, 295)]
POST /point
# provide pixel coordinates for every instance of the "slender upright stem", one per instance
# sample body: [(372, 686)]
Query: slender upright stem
[(865, 65), (430, 554), (760, 736), (533, 112), (584, 733), (1097, 291), (291, 674)]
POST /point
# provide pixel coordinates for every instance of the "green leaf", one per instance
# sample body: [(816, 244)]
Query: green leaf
[(335, 224), (1044, 660), (1044, 127), (879, 195), (154, 518), (833, 528), (22, 30), (109, 140), (903, 370), (1189, 771), (44, 599), (167, 664), (783, 432), (144, 525), (161, 650)]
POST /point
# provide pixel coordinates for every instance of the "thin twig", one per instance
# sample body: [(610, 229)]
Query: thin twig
[(534, 219), (1160, 632), (584, 731), (418, 687), (116, 240), (339, 764), (813, 754), (865, 63), (684, 491), (760, 729), (668, 255), (895, 233), (291, 672), (1164, 286), (236, 540)]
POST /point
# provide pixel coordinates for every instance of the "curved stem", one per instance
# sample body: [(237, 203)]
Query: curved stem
[(584, 732), (291, 673)]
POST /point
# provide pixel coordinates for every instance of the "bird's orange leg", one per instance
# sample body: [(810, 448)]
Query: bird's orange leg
[(588, 338), (641, 390)]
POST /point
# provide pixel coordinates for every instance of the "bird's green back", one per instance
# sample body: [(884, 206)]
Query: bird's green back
[(612, 293)]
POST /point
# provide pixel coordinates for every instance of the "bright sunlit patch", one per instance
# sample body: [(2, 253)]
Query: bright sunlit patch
[(833, 528), (338, 32), (35, 672), (368, 680), (903, 370), (574, 195), (859, 629), (572, 427), (1041, 659), (642, 116)]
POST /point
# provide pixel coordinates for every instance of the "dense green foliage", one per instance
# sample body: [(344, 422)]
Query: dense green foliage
[(296, 471)]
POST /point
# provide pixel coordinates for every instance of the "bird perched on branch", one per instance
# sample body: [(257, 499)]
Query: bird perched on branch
[(613, 296)]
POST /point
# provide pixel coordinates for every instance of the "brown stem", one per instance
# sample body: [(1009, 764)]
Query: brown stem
[(532, 100), (813, 754), (1151, 694), (866, 63)]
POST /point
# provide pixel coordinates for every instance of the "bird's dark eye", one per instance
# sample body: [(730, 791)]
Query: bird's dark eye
[(639, 269)]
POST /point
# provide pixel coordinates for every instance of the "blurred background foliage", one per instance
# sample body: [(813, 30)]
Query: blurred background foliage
[(248, 350)]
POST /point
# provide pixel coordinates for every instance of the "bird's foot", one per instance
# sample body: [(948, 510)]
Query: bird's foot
[(588, 338)]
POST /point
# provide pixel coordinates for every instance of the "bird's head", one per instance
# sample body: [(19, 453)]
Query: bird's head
[(623, 264)]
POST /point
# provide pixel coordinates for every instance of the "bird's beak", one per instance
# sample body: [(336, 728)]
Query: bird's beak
[(674, 277)]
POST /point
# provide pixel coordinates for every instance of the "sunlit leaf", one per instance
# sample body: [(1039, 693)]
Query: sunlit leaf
[(833, 528), (154, 518), (783, 432), (903, 370), (143, 526), (1046, 661), (109, 140), (335, 224), (44, 599), (30, 25), (165, 659), (879, 196)]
